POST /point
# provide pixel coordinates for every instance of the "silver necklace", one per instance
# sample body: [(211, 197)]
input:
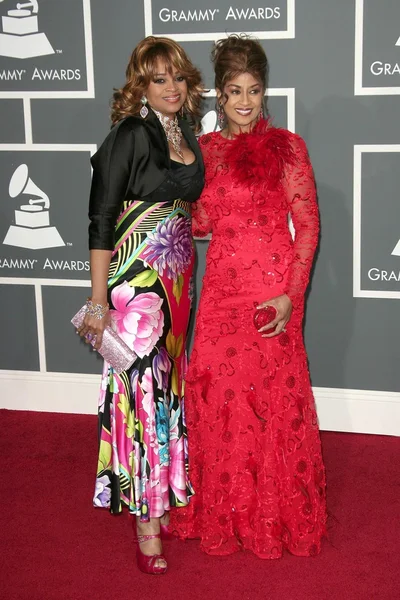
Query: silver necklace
[(172, 131)]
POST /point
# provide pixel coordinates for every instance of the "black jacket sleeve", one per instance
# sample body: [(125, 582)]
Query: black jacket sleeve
[(112, 165)]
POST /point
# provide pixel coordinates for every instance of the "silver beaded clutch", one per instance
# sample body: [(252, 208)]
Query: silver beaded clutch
[(114, 350)]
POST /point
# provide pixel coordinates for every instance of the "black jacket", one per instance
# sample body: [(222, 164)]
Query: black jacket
[(131, 163)]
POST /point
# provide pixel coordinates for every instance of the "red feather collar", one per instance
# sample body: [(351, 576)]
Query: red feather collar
[(258, 159)]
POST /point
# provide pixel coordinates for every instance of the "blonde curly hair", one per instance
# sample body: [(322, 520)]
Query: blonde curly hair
[(142, 67)]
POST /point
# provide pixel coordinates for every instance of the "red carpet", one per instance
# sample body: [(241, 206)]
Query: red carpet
[(54, 545)]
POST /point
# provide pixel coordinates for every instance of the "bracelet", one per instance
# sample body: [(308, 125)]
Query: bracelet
[(96, 310)]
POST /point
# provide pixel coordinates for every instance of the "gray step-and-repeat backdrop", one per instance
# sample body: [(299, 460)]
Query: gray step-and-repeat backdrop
[(335, 79)]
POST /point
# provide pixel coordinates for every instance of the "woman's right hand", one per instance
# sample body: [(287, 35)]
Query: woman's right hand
[(92, 329)]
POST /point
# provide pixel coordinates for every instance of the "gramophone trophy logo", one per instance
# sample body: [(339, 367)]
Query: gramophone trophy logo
[(21, 37), (32, 227), (396, 249), (209, 122)]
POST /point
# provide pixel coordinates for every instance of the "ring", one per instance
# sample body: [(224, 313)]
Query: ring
[(89, 337)]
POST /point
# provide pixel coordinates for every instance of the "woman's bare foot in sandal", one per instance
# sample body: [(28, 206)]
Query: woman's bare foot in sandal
[(150, 552), (164, 522)]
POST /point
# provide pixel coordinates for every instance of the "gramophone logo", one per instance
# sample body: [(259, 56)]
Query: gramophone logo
[(32, 227), (396, 249), (21, 37), (209, 122)]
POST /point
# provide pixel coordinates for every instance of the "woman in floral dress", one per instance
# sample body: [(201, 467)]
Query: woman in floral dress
[(145, 176)]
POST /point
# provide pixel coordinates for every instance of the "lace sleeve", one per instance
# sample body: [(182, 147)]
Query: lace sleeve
[(201, 218), (201, 221), (302, 200)]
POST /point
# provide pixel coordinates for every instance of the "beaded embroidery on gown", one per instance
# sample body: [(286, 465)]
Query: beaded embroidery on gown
[(254, 446)]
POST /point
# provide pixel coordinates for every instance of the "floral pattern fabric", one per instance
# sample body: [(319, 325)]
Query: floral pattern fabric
[(254, 446), (143, 449)]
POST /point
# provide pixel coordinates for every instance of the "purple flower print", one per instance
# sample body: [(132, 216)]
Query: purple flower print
[(170, 247), (162, 369), (134, 380), (102, 494)]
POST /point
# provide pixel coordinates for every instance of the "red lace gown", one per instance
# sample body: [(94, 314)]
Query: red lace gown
[(254, 446)]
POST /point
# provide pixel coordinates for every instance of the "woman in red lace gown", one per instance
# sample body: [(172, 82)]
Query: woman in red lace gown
[(255, 452)]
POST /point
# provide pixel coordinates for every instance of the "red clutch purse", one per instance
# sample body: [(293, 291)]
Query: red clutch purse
[(263, 316)]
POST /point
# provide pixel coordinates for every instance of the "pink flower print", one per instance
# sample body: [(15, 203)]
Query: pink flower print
[(164, 482), (149, 408), (139, 319), (177, 471), (155, 476), (147, 381)]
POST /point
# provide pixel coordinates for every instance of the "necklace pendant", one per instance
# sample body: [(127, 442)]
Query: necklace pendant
[(173, 132)]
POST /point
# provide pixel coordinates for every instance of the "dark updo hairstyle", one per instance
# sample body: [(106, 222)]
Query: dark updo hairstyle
[(239, 54)]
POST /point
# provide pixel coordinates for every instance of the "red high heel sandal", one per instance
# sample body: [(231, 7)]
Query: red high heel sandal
[(147, 564)]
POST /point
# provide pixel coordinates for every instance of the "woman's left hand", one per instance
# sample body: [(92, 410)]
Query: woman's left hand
[(283, 307)]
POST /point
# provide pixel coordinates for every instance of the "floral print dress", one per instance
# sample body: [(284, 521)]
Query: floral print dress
[(143, 448)]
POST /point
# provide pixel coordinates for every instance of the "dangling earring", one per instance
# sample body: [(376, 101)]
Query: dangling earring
[(221, 115), (261, 115), (144, 111), (181, 112)]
